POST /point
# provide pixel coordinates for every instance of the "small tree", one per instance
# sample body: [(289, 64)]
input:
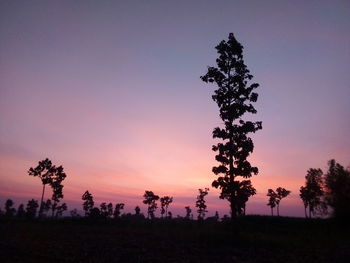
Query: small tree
[(244, 191), (88, 202), (151, 201), (312, 193), (10, 211), (164, 204), (20, 211), (188, 212), (109, 210), (337, 189), (234, 98), (137, 210), (272, 199), (281, 193), (118, 208), (32, 207), (200, 203)]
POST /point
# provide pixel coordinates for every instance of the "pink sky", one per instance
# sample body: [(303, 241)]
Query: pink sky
[(111, 91)]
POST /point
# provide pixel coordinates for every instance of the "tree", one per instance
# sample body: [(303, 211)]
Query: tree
[(151, 201), (272, 199), (188, 212), (118, 208), (46, 206), (200, 203), (337, 189), (109, 210), (234, 98), (10, 211), (20, 211), (137, 210), (49, 174), (312, 193), (164, 204), (104, 210), (281, 193), (88, 204), (244, 191), (32, 207)]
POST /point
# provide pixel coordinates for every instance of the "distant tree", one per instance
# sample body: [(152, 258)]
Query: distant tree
[(151, 201), (109, 210), (216, 216), (49, 174), (60, 209), (272, 199), (103, 210), (32, 207), (118, 208), (200, 203), (164, 204), (46, 206), (20, 211), (57, 190), (170, 215), (88, 204), (188, 212), (74, 213), (10, 211), (94, 213), (234, 98), (137, 210), (337, 189), (312, 193), (281, 193)]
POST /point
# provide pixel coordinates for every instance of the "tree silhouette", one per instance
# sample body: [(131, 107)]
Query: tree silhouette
[(272, 199), (188, 212), (244, 191), (164, 204), (32, 207), (137, 210), (281, 193), (10, 211), (337, 189), (151, 201), (88, 202), (234, 98), (312, 193), (103, 210), (46, 206), (49, 174), (74, 213), (118, 208), (109, 210), (200, 203), (20, 211)]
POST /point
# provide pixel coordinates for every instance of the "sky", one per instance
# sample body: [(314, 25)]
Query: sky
[(111, 90)]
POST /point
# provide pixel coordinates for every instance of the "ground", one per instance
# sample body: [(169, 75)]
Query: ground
[(247, 239)]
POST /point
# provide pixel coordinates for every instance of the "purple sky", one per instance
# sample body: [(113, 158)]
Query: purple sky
[(111, 90)]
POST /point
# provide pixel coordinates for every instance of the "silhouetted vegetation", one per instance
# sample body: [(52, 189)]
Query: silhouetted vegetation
[(89, 203), (164, 204), (200, 203), (151, 201), (275, 198), (234, 98)]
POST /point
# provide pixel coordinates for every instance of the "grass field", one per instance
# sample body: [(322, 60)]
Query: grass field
[(248, 239)]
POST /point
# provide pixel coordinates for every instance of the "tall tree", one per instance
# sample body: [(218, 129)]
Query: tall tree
[(151, 201), (88, 204), (272, 199), (281, 193), (49, 174), (234, 97), (312, 193), (337, 189), (164, 204), (200, 203)]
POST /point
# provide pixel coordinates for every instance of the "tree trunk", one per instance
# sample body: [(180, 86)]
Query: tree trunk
[(278, 210), (305, 212), (42, 200), (232, 194)]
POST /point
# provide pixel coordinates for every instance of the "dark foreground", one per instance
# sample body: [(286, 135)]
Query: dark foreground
[(249, 239)]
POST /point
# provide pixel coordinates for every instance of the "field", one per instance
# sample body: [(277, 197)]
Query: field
[(248, 239)]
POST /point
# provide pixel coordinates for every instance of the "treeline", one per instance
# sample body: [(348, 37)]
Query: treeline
[(323, 194)]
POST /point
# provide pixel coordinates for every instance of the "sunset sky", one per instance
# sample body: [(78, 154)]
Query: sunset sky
[(111, 91)]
